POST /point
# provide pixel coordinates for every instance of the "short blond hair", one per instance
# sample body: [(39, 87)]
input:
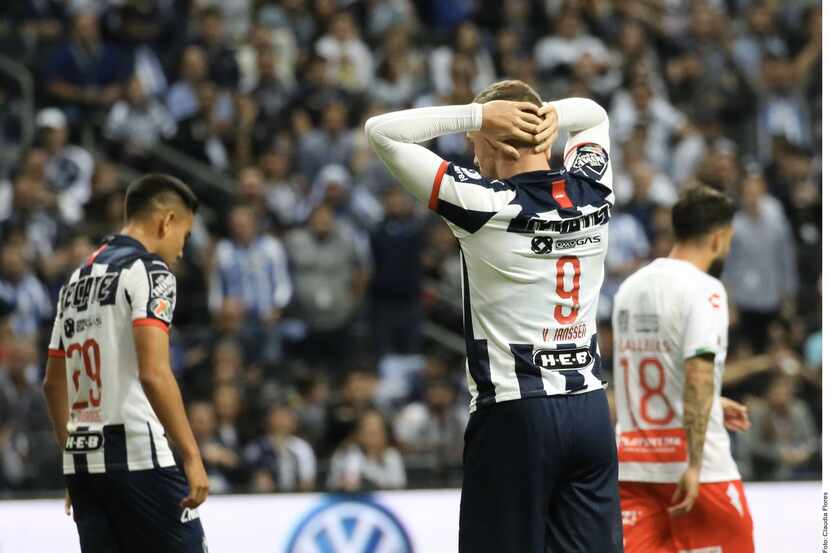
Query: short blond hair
[(512, 90)]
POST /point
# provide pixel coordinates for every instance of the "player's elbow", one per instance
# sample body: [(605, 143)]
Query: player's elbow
[(371, 129), (151, 379)]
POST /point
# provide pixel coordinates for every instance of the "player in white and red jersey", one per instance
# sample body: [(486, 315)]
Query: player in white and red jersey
[(540, 468), (679, 486), (111, 394)]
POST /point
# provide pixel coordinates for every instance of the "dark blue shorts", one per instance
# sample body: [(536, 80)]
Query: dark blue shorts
[(138, 511), (540, 476)]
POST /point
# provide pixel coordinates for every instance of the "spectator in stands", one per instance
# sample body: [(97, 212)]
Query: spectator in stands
[(86, 74), (431, 432), (26, 454), (251, 268), (202, 134), (332, 143), (628, 250), (395, 290), (221, 462), (17, 279), (25, 207), (349, 61), (783, 439), (568, 44), (227, 404), (367, 461), (331, 270), (760, 272), (280, 460), (137, 123), (358, 395), (68, 168), (221, 60), (182, 100), (285, 193), (468, 45)]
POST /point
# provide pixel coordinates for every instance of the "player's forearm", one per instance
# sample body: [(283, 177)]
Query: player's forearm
[(394, 135), (579, 114), (698, 395), (166, 399)]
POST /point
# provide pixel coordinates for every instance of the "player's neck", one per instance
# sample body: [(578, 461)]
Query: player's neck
[(691, 255), (139, 233), (506, 168)]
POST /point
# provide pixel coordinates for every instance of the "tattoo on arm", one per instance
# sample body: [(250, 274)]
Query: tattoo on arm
[(698, 395)]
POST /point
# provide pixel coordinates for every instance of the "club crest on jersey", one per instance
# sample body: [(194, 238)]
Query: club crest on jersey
[(591, 161), (84, 442), (557, 359), (162, 284), (162, 308), (464, 174)]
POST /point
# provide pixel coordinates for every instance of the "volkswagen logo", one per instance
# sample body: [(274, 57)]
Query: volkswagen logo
[(349, 525)]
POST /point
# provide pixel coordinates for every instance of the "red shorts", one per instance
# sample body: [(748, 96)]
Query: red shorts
[(719, 522)]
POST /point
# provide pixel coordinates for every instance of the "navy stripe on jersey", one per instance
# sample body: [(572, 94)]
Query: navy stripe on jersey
[(115, 446), (79, 459), (153, 453), (528, 374), (534, 194), (478, 358), (468, 219)]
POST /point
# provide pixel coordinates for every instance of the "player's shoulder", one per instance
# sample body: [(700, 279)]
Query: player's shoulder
[(466, 175)]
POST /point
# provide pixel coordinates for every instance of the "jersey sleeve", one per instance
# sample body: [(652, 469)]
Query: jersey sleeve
[(56, 345), (151, 291), (467, 199), (706, 322), (588, 149)]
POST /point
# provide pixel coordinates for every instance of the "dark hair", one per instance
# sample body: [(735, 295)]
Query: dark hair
[(144, 193), (699, 211)]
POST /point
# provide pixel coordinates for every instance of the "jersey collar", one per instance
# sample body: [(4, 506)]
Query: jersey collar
[(124, 240)]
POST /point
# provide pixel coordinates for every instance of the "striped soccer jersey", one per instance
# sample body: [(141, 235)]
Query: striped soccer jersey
[(532, 250), (112, 425)]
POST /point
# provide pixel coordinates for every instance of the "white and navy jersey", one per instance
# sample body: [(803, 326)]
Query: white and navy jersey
[(532, 250), (112, 425), (665, 313), (532, 247)]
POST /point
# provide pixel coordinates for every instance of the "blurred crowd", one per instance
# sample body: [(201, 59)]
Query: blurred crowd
[(317, 327)]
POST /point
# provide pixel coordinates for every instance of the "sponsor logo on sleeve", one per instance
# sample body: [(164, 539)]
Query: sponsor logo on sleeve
[(591, 161), (162, 308), (162, 284)]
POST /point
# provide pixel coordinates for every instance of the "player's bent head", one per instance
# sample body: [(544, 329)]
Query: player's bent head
[(157, 192), (700, 211), (165, 206), (702, 218)]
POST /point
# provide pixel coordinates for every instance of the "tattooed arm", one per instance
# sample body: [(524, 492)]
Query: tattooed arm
[(698, 395)]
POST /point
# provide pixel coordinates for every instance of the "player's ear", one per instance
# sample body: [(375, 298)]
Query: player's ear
[(166, 223)]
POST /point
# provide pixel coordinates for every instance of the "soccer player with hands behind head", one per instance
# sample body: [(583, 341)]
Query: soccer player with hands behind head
[(540, 465)]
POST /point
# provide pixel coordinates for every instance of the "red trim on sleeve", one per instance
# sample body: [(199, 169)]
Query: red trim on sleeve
[(436, 185), (575, 146), (152, 322), (56, 353), (559, 194)]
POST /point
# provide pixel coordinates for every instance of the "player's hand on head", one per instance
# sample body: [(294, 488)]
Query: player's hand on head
[(735, 415), (686, 493), (503, 120), (197, 481), (547, 130)]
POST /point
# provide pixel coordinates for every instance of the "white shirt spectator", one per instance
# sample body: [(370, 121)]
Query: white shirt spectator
[(350, 468)]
